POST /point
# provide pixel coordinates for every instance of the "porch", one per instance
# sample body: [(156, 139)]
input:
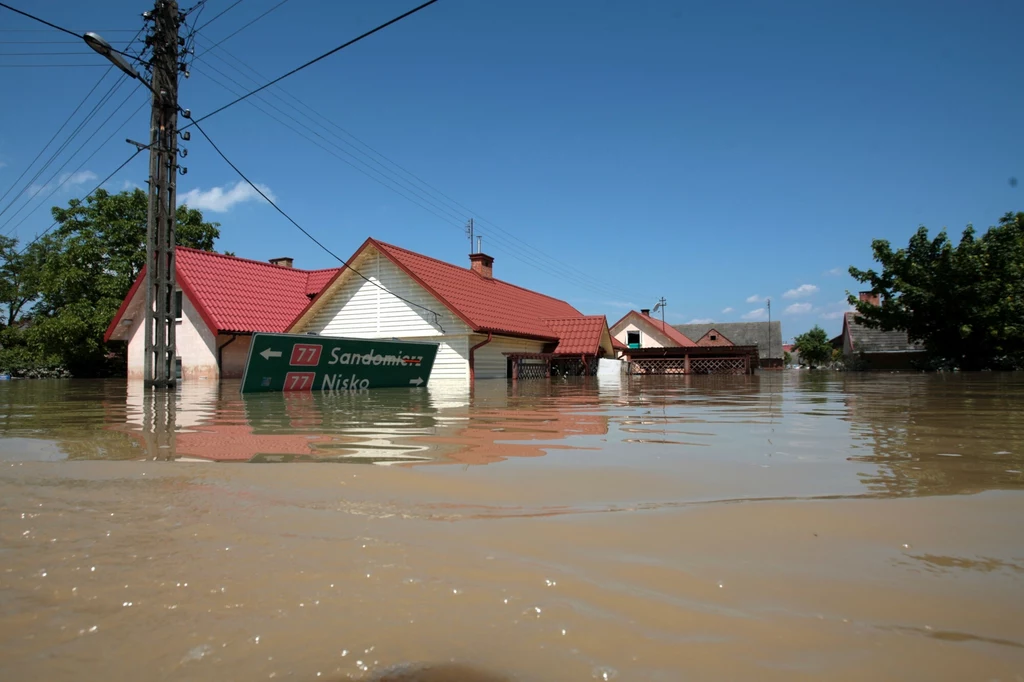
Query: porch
[(692, 360)]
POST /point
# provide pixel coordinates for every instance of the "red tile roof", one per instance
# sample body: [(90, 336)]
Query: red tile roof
[(578, 335), (486, 305), (239, 295)]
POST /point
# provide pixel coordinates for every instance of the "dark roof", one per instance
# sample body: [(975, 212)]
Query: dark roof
[(742, 334), (863, 339)]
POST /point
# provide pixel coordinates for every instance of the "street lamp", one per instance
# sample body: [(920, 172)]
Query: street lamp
[(101, 46), (161, 279)]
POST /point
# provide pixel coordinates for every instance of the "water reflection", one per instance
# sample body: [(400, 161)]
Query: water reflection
[(891, 435)]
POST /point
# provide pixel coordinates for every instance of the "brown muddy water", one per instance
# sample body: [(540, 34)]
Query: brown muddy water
[(789, 526)]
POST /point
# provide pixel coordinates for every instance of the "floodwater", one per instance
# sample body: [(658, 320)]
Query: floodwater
[(787, 526)]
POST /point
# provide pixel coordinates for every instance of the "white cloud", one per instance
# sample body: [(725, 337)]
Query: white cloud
[(67, 181), (223, 199), (754, 299), (620, 304), (835, 310), (701, 320), (834, 315), (756, 314), (726, 311), (801, 291), (3, 164), (799, 309), (834, 272)]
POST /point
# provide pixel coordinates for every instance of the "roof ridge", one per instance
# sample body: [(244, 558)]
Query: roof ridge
[(249, 260), (459, 267)]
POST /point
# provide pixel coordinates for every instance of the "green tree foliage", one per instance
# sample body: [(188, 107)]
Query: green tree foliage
[(814, 347), (66, 287), (964, 302)]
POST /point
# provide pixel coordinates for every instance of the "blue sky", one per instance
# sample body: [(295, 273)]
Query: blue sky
[(715, 154)]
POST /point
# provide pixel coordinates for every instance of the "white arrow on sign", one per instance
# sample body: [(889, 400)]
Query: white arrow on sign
[(267, 354), (418, 381)]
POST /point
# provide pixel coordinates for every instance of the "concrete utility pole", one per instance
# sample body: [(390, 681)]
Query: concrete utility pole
[(161, 281), (660, 305), (469, 233)]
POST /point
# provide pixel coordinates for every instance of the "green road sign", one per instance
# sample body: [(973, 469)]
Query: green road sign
[(295, 362)]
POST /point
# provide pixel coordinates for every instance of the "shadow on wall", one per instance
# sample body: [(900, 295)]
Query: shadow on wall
[(442, 672)]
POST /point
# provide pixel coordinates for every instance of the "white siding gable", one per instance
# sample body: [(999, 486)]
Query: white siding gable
[(648, 337), (359, 308)]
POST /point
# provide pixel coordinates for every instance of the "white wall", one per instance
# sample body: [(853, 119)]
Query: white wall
[(488, 361), (646, 340), (359, 309)]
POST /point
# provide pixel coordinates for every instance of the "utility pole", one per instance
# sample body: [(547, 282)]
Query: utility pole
[(469, 233), (161, 281), (661, 305)]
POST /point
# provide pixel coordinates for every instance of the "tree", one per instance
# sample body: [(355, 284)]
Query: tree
[(19, 280), (964, 302), (814, 347), (80, 273)]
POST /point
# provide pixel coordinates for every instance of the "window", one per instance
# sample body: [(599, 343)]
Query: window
[(177, 366), (177, 305), (633, 339), (714, 337)]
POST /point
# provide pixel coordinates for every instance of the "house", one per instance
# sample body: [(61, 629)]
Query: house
[(766, 336), (221, 300), (640, 330), (652, 347), (485, 327), (874, 349)]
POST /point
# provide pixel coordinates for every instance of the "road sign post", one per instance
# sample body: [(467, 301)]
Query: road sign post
[(294, 362)]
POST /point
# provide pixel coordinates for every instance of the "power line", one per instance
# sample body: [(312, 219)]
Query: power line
[(52, 66), (437, 317), (451, 207), (76, 152), (232, 35), (43, 30), (446, 215), (62, 126), (90, 192), (41, 21), (74, 133), (313, 61), (41, 54), (222, 13)]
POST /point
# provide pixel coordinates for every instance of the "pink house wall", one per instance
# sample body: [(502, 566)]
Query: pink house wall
[(196, 344)]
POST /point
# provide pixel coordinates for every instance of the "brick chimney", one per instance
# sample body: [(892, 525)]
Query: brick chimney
[(284, 262), (645, 311), (482, 264), (868, 297)]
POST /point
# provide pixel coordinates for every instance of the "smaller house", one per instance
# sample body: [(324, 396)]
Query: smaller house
[(766, 336), (221, 300), (652, 347), (875, 349)]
